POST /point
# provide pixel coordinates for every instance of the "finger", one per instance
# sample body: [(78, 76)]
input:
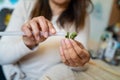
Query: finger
[(35, 30), (73, 54), (27, 31), (28, 36), (66, 53), (42, 38), (86, 56), (43, 25), (63, 56), (51, 27), (83, 53), (77, 48), (78, 43)]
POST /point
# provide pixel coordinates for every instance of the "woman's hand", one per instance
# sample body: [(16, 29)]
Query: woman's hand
[(73, 53), (33, 28)]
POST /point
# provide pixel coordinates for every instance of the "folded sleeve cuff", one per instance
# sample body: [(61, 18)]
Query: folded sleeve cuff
[(25, 49)]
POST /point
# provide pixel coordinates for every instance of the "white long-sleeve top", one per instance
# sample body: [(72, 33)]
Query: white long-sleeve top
[(32, 63)]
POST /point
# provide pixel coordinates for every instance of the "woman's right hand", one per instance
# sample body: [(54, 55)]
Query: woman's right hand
[(32, 31)]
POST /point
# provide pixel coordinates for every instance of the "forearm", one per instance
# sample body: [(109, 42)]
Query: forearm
[(12, 50)]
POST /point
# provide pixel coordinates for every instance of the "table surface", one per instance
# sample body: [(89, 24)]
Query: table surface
[(97, 73)]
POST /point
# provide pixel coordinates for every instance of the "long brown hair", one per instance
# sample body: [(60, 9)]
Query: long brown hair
[(75, 12)]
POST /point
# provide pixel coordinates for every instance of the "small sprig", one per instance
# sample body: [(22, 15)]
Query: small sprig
[(67, 35), (71, 36)]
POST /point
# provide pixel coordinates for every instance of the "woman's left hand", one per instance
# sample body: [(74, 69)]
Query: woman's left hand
[(73, 53)]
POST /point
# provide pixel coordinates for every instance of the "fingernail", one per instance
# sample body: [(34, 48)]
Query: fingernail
[(46, 34), (71, 40), (52, 30), (67, 41), (62, 42), (38, 38)]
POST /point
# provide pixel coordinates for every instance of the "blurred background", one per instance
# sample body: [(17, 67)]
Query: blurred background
[(104, 43)]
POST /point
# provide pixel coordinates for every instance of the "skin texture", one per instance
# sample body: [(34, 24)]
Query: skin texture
[(72, 52), (60, 2), (58, 6), (32, 30)]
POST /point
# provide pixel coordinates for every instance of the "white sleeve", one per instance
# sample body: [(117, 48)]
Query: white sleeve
[(13, 48)]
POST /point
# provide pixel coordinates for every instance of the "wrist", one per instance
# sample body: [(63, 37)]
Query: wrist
[(29, 43), (31, 46)]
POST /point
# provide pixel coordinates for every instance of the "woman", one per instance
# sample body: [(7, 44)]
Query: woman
[(33, 54)]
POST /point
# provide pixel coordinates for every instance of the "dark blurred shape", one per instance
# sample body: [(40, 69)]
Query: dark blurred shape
[(4, 18), (118, 3), (2, 77), (109, 49), (5, 15)]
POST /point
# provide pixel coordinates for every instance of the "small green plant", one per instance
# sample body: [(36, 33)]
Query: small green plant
[(67, 35), (71, 36)]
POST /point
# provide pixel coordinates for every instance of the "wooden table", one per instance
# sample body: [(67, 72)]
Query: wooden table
[(92, 73), (97, 73)]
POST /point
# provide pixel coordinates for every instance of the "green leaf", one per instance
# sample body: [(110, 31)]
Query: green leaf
[(67, 35), (73, 35)]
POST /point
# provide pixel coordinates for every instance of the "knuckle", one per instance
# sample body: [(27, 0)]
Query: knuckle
[(69, 47), (50, 23), (30, 35), (34, 18), (71, 50), (23, 28), (31, 22), (40, 17), (80, 52), (75, 57), (36, 33), (44, 28), (68, 59)]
